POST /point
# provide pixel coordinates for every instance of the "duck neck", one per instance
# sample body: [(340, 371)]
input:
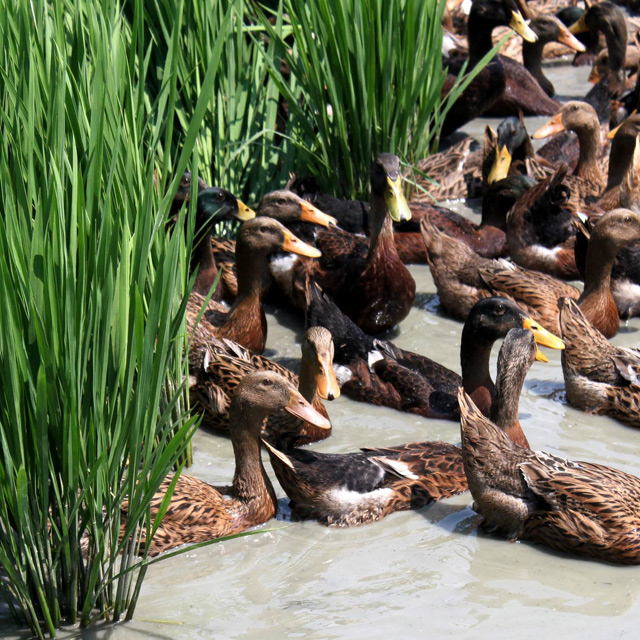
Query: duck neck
[(202, 258), (532, 60), (250, 481), (620, 158), (381, 234), (601, 254), (250, 265), (474, 362), (478, 37), (589, 142), (307, 385), (504, 409)]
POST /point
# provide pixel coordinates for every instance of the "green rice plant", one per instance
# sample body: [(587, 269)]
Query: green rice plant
[(365, 77), (238, 146), (92, 296)]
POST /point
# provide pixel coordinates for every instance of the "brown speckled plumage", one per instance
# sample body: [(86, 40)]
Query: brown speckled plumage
[(576, 507)]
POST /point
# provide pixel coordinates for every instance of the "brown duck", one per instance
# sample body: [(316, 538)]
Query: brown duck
[(598, 376), (224, 364), (197, 511), (373, 288), (245, 321), (462, 277), (576, 507)]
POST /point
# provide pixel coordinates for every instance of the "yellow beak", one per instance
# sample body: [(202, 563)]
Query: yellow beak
[(579, 27), (519, 25), (501, 165), (244, 212), (612, 134), (293, 244), (396, 202), (542, 337)]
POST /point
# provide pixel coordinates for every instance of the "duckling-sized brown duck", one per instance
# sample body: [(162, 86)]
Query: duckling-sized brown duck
[(245, 321), (587, 181), (374, 289), (577, 507), (599, 377), (222, 365), (462, 277), (381, 373), (540, 230), (197, 511), (489, 85)]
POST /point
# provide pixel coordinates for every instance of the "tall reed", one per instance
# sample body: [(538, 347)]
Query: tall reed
[(360, 78), (91, 283)]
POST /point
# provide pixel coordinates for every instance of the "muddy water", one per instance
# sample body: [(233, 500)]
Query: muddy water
[(413, 574)]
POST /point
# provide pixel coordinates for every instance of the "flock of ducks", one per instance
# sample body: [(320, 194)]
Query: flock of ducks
[(558, 214)]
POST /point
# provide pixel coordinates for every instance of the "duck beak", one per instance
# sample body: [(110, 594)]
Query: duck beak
[(579, 27), (542, 336), (300, 408), (326, 382), (612, 134), (552, 127), (540, 357), (293, 244), (396, 202), (501, 165), (567, 38), (519, 25), (244, 212), (594, 76), (309, 213)]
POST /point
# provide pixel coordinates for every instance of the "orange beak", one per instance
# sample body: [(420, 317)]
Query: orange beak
[(326, 383), (567, 38), (552, 127), (309, 213), (293, 244), (300, 408), (612, 134)]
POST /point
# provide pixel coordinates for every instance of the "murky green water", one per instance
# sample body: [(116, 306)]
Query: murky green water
[(426, 573)]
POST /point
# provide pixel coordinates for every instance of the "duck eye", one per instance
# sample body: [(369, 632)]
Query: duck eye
[(220, 197), (264, 229), (627, 219), (500, 310), (267, 382)]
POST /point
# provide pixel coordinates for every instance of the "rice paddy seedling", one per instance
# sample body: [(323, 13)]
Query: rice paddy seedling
[(92, 292), (361, 78)]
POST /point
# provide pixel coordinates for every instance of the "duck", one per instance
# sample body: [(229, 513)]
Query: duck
[(590, 39), (601, 64), (466, 170), (346, 489), (575, 507), (217, 371), (490, 83), (356, 488), (540, 229), (462, 277), (371, 285), (548, 29), (183, 194), (587, 181), (598, 376), (197, 511), (244, 322), (299, 216), (214, 205), (622, 164), (379, 372), (608, 19)]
